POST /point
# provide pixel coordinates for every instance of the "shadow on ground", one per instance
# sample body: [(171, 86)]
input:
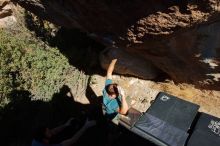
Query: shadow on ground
[(22, 115)]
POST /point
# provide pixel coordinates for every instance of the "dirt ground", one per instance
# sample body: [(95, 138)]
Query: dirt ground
[(140, 93)]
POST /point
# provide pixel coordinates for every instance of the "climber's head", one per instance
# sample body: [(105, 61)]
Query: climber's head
[(112, 89)]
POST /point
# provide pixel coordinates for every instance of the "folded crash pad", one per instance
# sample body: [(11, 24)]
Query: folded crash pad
[(131, 118)]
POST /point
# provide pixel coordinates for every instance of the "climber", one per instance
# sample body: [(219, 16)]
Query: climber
[(114, 101), (43, 135)]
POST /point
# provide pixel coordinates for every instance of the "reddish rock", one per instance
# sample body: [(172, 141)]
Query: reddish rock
[(181, 39)]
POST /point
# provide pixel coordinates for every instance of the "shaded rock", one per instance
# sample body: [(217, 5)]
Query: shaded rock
[(189, 55), (5, 13), (5, 9), (168, 33), (129, 64)]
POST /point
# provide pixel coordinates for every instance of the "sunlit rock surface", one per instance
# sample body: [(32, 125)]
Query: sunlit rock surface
[(6, 15)]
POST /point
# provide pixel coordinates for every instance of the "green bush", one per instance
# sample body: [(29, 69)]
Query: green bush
[(28, 64)]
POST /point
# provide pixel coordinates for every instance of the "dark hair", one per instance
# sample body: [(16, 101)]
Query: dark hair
[(39, 133), (112, 89)]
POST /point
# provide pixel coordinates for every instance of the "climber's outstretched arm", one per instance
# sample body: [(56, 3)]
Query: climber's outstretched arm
[(111, 69)]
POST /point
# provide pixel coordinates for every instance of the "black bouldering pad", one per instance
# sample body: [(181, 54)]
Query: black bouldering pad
[(159, 131), (206, 131), (176, 112)]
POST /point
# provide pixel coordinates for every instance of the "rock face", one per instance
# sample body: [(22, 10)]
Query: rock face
[(6, 17), (129, 64), (180, 39)]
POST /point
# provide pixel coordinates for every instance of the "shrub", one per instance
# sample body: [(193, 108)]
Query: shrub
[(28, 64)]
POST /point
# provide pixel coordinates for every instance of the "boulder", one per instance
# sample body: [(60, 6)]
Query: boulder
[(6, 17), (129, 64), (178, 38)]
